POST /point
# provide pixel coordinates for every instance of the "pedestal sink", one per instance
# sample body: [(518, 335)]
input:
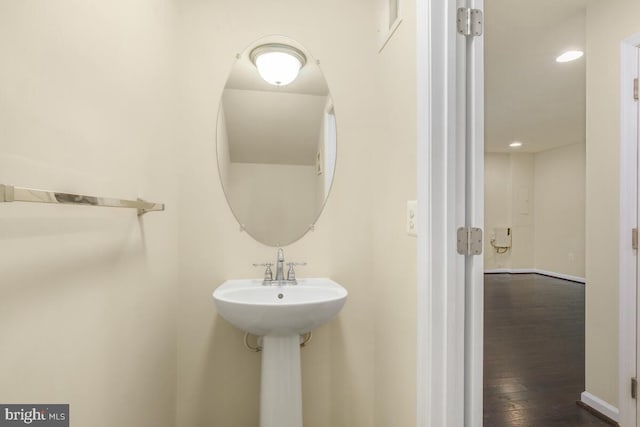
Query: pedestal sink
[(280, 314)]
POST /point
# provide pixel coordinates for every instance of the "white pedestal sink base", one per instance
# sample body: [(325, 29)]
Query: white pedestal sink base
[(279, 314), (281, 384)]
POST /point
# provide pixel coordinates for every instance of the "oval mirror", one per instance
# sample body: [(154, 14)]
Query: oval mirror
[(276, 140)]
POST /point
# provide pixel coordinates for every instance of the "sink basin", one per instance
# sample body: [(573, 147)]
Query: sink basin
[(279, 310)]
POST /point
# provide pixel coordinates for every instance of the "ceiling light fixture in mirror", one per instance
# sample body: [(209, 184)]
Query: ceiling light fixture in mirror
[(278, 64)]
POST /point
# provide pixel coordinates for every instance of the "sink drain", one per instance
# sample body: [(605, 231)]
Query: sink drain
[(280, 296)]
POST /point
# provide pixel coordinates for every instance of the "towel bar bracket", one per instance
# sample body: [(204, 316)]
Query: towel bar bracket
[(6, 193)]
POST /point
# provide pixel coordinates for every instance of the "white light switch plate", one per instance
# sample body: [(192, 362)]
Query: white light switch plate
[(412, 217)]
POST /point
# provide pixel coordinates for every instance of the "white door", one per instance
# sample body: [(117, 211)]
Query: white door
[(629, 297), (473, 69), (634, 422), (450, 197)]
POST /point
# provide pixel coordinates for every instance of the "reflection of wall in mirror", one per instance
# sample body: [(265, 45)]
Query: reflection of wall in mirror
[(319, 184), (326, 153), (274, 199), (223, 148), (273, 127), (330, 149)]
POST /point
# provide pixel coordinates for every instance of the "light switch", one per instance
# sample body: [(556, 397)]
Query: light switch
[(412, 217)]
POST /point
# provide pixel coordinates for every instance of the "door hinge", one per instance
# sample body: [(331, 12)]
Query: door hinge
[(636, 96), (469, 241), (470, 21), (634, 388), (634, 238)]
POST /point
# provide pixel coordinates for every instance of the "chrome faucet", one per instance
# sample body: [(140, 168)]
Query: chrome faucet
[(280, 265), (279, 279)]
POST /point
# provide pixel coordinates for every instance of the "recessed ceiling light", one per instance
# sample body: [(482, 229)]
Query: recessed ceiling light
[(278, 64), (570, 55), (515, 144)]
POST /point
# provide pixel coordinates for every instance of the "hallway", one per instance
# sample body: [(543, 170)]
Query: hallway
[(534, 352)]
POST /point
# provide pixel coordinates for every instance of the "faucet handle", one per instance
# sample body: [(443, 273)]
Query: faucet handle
[(268, 274), (291, 274)]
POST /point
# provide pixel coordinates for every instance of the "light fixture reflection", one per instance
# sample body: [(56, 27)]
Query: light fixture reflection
[(278, 64), (515, 144), (570, 55)]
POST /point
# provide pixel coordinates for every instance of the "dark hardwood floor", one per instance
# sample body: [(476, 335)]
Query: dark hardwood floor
[(534, 352)]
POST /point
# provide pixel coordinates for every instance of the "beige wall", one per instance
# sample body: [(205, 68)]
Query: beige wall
[(559, 189), (541, 197), (86, 313), (608, 23), (394, 252), (218, 378)]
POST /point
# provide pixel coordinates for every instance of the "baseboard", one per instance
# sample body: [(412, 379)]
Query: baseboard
[(536, 271), (510, 271), (599, 407)]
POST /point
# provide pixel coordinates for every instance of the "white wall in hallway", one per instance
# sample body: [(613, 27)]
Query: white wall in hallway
[(559, 214), (509, 203), (541, 197), (497, 206), (522, 205)]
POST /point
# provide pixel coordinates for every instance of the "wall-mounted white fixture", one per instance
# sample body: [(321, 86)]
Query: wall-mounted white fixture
[(278, 64), (570, 55), (515, 144), (501, 239)]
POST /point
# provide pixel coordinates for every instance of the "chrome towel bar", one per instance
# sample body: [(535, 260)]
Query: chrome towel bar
[(9, 193)]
